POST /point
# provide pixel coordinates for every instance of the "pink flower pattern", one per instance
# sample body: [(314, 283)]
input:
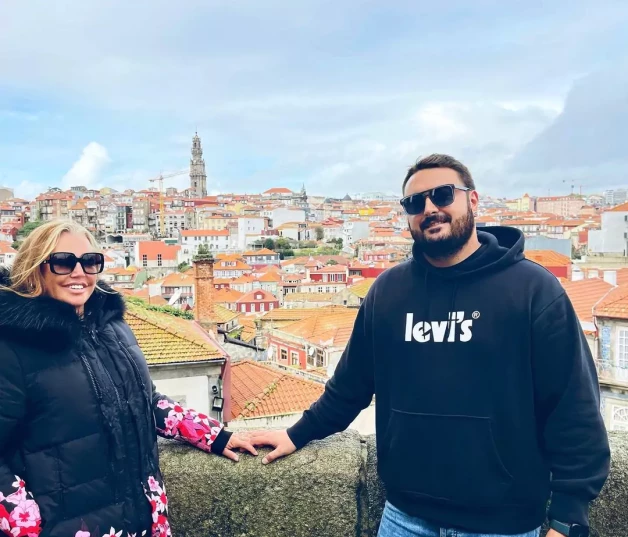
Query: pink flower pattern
[(22, 520), (193, 427), (174, 421)]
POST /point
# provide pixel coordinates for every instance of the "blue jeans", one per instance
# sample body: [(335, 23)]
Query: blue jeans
[(397, 524)]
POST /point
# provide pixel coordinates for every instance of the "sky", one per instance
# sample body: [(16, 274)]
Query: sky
[(340, 96)]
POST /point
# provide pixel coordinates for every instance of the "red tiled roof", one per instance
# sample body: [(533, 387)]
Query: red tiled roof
[(547, 258), (152, 248), (614, 304), (259, 390), (584, 294)]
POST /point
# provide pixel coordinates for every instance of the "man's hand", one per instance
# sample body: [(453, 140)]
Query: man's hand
[(553, 533), (238, 441), (277, 439)]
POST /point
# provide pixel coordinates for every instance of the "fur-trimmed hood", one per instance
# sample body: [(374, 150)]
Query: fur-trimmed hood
[(49, 323)]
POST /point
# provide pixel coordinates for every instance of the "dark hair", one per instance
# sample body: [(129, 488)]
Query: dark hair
[(440, 161)]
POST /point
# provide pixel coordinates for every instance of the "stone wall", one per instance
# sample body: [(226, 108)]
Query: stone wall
[(328, 489)]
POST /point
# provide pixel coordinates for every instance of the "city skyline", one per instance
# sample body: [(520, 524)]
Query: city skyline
[(341, 98)]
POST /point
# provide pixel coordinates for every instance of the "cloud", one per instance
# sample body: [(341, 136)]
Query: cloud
[(340, 95), (87, 170), (586, 143)]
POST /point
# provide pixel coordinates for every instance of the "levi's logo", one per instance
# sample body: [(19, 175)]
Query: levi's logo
[(457, 328)]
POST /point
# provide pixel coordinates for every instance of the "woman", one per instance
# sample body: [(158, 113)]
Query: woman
[(79, 415)]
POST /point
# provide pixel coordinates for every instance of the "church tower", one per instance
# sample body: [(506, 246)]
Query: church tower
[(198, 177)]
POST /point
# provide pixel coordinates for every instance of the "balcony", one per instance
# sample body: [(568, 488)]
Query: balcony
[(611, 374)]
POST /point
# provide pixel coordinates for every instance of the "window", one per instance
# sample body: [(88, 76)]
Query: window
[(261, 307), (621, 356), (144, 260), (284, 355), (619, 420), (320, 358), (294, 358), (159, 260), (243, 307)]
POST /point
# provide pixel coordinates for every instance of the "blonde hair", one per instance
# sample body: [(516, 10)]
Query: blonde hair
[(26, 277)]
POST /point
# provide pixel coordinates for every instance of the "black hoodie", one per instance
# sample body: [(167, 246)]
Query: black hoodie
[(486, 393)]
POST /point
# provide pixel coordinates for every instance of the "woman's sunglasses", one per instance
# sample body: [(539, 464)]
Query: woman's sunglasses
[(441, 196), (64, 263)]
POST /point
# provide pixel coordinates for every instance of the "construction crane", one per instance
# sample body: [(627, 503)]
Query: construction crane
[(162, 212)]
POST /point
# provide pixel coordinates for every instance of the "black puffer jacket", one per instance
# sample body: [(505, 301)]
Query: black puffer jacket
[(79, 418)]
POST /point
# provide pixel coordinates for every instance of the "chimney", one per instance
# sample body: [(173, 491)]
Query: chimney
[(204, 299), (610, 276)]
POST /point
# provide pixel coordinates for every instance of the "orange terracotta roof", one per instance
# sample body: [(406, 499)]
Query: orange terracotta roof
[(260, 390), (328, 328), (258, 295), (152, 248), (547, 258), (223, 264), (614, 304), (584, 294), (278, 190), (165, 338), (620, 208), (263, 251), (270, 277), (227, 296), (5, 248), (178, 279)]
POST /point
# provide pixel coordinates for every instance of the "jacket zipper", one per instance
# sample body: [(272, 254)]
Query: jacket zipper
[(138, 376), (92, 333), (92, 378)]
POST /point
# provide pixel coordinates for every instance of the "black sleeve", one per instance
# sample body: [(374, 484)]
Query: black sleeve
[(567, 395), (13, 490), (348, 391)]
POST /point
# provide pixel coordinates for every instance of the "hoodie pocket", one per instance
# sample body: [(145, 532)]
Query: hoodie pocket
[(447, 458)]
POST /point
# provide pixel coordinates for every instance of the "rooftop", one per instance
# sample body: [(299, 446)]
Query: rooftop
[(260, 390), (167, 339)]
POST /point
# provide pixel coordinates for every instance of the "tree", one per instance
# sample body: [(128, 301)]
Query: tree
[(182, 267), (28, 228), (203, 253), (332, 262), (282, 244), (320, 233), (270, 244)]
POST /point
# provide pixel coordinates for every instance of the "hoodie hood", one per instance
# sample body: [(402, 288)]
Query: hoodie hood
[(51, 324), (501, 246)]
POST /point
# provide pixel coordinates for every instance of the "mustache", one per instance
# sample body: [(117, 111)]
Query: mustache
[(435, 219)]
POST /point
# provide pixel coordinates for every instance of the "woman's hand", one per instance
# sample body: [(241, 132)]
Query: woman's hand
[(240, 441)]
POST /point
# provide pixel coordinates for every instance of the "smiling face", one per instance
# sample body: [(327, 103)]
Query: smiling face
[(74, 288), (441, 232)]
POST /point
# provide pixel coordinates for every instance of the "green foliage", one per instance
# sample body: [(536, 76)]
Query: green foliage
[(320, 233), (332, 262), (203, 253), (169, 310), (269, 243), (16, 245), (28, 228), (336, 242), (182, 267)]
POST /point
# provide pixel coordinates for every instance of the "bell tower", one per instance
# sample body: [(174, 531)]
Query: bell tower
[(198, 177)]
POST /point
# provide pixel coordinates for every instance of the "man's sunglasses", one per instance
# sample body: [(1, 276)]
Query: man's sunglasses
[(441, 196), (64, 263)]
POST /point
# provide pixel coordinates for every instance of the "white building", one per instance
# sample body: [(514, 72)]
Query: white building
[(283, 215), (216, 240), (250, 229), (354, 230), (612, 239), (7, 254)]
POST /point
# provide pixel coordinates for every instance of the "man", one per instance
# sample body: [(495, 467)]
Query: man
[(487, 397)]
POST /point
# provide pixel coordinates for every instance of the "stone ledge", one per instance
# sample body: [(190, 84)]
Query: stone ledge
[(328, 489)]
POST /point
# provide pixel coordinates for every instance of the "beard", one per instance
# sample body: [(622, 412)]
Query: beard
[(443, 247)]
